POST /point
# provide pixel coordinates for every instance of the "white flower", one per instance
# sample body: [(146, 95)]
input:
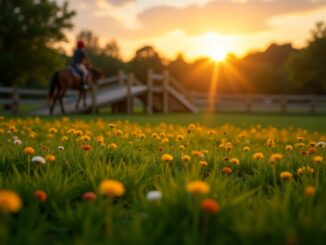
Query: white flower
[(321, 144), (60, 148), (154, 195), (17, 142), (38, 160), (15, 137)]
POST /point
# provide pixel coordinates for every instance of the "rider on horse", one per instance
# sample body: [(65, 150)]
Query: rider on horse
[(79, 61)]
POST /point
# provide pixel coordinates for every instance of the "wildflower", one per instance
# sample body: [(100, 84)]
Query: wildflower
[(312, 150), (29, 150), (112, 146), (40, 195), (181, 147), (235, 161), (112, 125), (141, 136), (185, 158), (60, 148), (203, 164), (286, 175), (300, 138), (99, 139), (118, 132), (210, 205), (86, 147), (53, 130), (165, 141), (312, 143), (321, 144), (88, 196), (258, 156), (289, 147), (305, 169), (310, 191), (50, 158), (197, 154), (270, 142), (85, 138), (198, 187), (180, 137), (167, 158), (318, 159), (246, 148), (38, 160), (79, 132), (154, 135), (227, 170), (10, 201), (17, 142), (228, 146), (153, 195), (111, 188), (64, 138)]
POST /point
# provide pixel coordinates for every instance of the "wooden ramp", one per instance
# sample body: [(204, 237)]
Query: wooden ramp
[(104, 97), (183, 101)]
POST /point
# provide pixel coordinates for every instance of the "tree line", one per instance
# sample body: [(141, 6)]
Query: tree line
[(30, 29)]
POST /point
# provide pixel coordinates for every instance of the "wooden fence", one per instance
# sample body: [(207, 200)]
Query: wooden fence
[(13, 97)]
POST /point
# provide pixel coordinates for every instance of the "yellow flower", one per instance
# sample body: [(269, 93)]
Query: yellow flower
[(50, 158), (197, 187), (29, 150), (286, 175), (111, 125), (10, 201), (99, 139), (182, 147), (154, 135), (85, 138), (167, 158), (300, 138), (141, 136), (185, 158), (258, 156), (246, 148), (111, 188), (53, 130), (118, 132), (289, 147), (305, 169), (318, 159), (270, 142), (64, 138), (179, 137), (228, 146), (235, 161), (310, 191), (112, 146), (203, 164), (165, 141), (197, 154)]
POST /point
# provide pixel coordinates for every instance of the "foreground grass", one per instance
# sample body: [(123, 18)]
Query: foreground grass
[(254, 204)]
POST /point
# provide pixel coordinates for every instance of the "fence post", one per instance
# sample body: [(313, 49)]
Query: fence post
[(93, 92), (248, 105), (121, 77), (150, 91), (313, 104), (129, 94), (284, 102), (15, 100), (166, 78)]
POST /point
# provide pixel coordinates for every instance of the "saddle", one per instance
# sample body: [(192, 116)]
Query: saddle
[(75, 71)]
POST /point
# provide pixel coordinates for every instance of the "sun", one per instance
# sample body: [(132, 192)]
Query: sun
[(215, 46)]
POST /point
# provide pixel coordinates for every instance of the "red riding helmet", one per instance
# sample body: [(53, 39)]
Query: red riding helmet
[(80, 44)]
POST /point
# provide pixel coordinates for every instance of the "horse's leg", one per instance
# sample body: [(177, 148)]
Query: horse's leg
[(53, 103), (78, 99), (61, 104), (84, 97)]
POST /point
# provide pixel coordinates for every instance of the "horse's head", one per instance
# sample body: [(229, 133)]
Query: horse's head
[(95, 74)]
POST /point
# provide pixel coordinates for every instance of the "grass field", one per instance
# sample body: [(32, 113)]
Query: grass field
[(166, 179)]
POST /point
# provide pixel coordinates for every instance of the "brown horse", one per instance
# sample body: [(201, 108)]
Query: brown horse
[(63, 80)]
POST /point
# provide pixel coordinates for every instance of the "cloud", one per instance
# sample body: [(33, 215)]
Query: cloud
[(221, 16), (119, 2)]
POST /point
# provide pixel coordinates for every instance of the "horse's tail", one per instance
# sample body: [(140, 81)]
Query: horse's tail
[(54, 80)]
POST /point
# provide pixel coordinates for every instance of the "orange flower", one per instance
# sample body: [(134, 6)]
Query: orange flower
[(29, 150), (10, 201), (89, 196), (198, 187), (50, 158), (186, 158), (111, 188), (258, 156), (318, 159), (289, 147), (227, 170), (210, 205), (286, 175), (235, 161), (310, 191), (167, 158), (40, 195), (86, 147), (203, 164)]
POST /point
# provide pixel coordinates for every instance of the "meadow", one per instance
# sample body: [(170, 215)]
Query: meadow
[(173, 179)]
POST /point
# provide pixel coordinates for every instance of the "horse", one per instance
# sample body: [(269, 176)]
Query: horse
[(65, 79)]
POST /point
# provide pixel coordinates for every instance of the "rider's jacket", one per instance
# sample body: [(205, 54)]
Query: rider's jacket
[(78, 57)]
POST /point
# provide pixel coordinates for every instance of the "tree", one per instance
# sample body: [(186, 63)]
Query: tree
[(146, 58), (28, 30), (306, 68)]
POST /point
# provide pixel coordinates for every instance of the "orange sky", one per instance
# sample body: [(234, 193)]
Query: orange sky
[(198, 27)]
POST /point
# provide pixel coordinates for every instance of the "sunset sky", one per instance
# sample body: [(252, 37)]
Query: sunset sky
[(198, 27)]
